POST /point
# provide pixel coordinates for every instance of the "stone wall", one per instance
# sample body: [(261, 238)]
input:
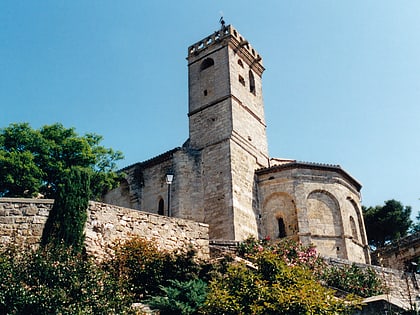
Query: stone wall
[(22, 222), (400, 254)]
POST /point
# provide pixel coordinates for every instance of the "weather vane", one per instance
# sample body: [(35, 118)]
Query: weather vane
[(222, 22)]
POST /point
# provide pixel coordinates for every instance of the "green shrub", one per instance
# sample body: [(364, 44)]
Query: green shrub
[(142, 268), (361, 281), (180, 298), (272, 288), (352, 279), (55, 280), (289, 251), (138, 265)]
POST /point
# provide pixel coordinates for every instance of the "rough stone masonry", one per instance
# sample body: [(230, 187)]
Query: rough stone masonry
[(22, 222)]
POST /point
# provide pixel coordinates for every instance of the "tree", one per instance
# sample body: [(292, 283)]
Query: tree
[(67, 218), (415, 227), (34, 161), (386, 223)]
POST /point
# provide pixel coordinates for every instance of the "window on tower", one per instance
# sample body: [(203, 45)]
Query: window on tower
[(207, 63), (251, 82), (241, 80), (240, 63)]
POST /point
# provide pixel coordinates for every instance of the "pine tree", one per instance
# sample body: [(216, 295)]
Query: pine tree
[(67, 218)]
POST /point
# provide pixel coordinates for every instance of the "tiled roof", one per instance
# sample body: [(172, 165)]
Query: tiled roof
[(153, 161), (309, 165)]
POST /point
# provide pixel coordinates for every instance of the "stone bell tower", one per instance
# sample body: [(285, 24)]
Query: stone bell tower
[(227, 125)]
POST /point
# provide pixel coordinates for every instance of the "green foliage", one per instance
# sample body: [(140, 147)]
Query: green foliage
[(142, 268), (180, 298), (67, 218), (252, 246), (272, 288), (34, 161), (20, 176), (139, 265), (386, 223), (361, 281), (352, 279), (290, 251), (415, 228), (55, 280)]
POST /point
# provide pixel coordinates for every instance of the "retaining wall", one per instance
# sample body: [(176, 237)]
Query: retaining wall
[(22, 222)]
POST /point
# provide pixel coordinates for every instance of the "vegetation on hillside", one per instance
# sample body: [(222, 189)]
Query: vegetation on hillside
[(56, 280), (278, 278), (274, 286)]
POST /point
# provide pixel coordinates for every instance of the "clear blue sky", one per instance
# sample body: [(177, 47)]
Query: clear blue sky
[(342, 84)]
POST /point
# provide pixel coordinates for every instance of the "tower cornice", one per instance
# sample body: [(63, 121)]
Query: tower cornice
[(227, 35)]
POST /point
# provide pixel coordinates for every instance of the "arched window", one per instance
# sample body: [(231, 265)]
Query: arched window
[(353, 228), (161, 207), (251, 82), (207, 63), (240, 63), (282, 228)]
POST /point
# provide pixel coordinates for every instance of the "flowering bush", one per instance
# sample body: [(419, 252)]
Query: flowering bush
[(291, 252), (361, 281), (251, 246), (352, 279)]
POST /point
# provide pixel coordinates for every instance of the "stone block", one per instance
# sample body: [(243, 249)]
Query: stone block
[(30, 211), (7, 220), (16, 211)]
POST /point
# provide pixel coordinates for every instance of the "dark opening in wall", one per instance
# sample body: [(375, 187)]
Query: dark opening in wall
[(207, 63), (161, 207), (251, 82), (282, 228)]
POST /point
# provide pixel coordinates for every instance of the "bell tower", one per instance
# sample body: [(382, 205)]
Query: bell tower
[(227, 125)]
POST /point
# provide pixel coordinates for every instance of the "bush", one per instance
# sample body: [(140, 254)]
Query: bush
[(351, 279), (361, 281), (272, 288), (291, 252), (180, 298), (55, 280), (142, 268)]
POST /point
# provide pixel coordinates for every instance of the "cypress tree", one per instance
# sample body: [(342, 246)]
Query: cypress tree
[(67, 218)]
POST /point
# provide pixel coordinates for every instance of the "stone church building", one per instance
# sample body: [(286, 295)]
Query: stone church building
[(223, 175)]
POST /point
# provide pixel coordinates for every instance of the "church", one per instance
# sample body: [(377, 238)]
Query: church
[(223, 175)]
